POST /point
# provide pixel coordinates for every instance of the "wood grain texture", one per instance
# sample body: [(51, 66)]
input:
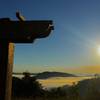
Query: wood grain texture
[(9, 72), (6, 65)]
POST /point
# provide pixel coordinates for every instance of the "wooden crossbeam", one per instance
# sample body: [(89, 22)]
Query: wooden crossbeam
[(24, 31)]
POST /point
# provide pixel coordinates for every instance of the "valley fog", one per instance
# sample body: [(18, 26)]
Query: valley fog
[(60, 81)]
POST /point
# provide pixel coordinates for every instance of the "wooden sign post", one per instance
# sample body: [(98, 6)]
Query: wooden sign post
[(16, 32)]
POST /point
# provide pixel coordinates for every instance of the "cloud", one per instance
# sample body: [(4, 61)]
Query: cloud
[(84, 69)]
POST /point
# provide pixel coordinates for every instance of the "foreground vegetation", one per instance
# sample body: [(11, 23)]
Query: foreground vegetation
[(28, 88)]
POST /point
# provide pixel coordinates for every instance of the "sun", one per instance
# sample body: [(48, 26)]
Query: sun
[(98, 50)]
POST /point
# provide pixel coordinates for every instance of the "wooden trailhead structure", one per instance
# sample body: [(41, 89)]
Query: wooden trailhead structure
[(11, 32)]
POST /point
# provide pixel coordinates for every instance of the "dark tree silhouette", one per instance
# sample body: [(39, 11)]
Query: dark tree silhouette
[(17, 87), (26, 87)]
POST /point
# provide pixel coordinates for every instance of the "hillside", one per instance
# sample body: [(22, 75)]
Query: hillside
[(45, 75)]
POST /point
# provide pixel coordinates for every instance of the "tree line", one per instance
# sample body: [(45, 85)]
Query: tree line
[(29, 87)]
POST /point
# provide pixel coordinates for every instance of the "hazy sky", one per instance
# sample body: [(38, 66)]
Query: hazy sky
[(73, 43)]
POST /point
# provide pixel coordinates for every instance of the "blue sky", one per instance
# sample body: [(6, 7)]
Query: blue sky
[(72, 44)]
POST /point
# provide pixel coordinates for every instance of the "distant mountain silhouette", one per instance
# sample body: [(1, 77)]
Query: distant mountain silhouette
[(45, 75)]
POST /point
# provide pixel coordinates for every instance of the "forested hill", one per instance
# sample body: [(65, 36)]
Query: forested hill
[(45, 75)]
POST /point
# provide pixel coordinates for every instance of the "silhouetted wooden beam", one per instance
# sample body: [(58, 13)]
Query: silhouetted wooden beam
[(16, 32), (24, 31)]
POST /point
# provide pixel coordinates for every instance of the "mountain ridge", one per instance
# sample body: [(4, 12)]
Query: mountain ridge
[(48, 74)]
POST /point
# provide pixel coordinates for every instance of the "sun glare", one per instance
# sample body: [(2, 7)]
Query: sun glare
[(98, 50)]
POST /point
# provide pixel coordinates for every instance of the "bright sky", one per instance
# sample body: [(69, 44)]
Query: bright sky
[(72, 44)]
